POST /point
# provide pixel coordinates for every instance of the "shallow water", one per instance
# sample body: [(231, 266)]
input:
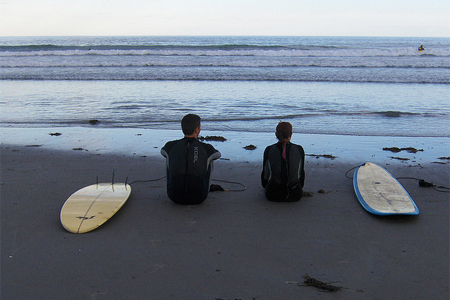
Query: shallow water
[(322, 85), (312, 107)]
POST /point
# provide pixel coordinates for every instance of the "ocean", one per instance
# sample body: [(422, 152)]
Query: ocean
[(368, 86)]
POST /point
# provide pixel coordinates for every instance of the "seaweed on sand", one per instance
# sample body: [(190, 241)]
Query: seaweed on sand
[(322, 155), (214, 138), (323, 286), (400, 158), (396, 149)]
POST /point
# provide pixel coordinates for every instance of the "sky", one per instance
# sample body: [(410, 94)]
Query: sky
[(408, 18)]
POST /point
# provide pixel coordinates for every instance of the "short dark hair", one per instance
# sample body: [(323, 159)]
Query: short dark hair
[(284, 130), (189, 123)]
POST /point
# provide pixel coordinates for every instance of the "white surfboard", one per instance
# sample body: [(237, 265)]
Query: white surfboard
[(91, 206), (380, 193)]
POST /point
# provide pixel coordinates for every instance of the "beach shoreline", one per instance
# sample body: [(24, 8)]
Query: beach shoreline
[(236, 245), (235, 146)]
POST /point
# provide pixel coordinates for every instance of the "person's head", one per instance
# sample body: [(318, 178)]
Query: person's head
[(190, 124), (284, 132)]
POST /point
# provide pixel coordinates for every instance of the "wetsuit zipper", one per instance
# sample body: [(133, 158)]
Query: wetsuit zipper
[(187, 168), (287, 174)]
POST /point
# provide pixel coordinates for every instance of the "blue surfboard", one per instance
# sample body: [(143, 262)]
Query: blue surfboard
[(380, 193)]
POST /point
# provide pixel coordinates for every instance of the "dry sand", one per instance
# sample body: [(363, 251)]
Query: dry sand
[(236, 245)]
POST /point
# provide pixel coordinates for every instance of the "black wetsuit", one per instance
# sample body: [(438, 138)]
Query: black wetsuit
[(283, 179), (189, 165)]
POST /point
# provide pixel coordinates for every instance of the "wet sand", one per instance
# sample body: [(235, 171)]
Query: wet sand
[(236, 245)]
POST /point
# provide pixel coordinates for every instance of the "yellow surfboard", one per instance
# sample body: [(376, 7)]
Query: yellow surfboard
[(91, 206)]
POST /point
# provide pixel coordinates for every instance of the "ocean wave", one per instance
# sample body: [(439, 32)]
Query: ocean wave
[(226, 78), (224, 58), (149, 119), (307, 113), (214, 50), (229, 64), (394, 114), (168, 47), (198, 73)]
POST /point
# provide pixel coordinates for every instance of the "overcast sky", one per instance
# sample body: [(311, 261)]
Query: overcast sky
[(409, 18)]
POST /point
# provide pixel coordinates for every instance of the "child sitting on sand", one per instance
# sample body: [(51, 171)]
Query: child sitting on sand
[(283, 174)]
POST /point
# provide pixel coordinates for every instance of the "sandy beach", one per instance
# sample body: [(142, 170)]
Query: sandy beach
[(236, 245)]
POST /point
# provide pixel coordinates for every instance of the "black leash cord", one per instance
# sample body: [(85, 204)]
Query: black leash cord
[(346, 173), (422, 183), (232, 182), (148, 180), (441, 187), (225, 181)]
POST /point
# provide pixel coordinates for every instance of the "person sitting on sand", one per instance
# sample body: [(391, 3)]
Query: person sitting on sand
[(283, 174), (421, 48), (189, 164)]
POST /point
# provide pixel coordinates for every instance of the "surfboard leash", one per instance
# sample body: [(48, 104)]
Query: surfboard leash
[(346, 173), (426, 184), (422, 182), (215, 187), (146, 180)]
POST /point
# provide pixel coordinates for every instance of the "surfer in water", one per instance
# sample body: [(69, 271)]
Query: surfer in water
[(283, 174), (189, 164), (421, 48)]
